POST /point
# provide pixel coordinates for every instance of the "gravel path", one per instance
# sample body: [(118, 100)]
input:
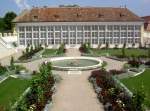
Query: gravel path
[(75, 93), (112, 64)]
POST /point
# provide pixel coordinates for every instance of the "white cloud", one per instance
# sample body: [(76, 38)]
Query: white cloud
[(22, 4)]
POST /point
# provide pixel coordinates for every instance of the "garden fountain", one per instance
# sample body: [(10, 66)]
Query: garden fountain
[(75, 63)]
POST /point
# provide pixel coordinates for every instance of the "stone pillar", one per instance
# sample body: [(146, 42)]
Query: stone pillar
[(47, 35), (83, 34), (127, 36), (5, 34), (17, 34), (98, 35), (25, 36), (134, 34), (68, 36), (54, 34), (76, 34), (113, 35), (9, 34), (105, 34), (91, 35), (39, 35), (32, 35), (142, 35), (61, 37), (119, 36)]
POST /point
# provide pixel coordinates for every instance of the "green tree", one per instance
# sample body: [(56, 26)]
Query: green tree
[(12, 62), (107, 45), (9, 16), (124, 45), (2, 24), (27, 49), (123, 52), (31, 49)]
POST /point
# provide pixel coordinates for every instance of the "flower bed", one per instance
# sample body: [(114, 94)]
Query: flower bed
[(112, 95), (30, 52), (41, 90)]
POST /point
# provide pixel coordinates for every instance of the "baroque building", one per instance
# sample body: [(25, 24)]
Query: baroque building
[(76, 25)]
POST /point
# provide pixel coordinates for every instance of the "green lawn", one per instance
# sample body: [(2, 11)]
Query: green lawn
[(117, 52), (137, 83), (49, 52), (11, 89)]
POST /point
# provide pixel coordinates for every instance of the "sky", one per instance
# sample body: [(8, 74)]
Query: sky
[(140, 7)]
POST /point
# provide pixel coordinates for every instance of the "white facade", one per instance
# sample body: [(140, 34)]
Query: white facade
[(73, 34), (146, 37)]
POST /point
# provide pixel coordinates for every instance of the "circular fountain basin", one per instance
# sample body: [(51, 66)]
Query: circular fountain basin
[(75, 63)]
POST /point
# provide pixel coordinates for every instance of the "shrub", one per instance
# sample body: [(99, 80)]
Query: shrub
[(61, 49), (116, 72), (147, 63), (30, 51), (41, 89), (107, 45), (12, 65), (134, 63), (85, 48), (2, 69)]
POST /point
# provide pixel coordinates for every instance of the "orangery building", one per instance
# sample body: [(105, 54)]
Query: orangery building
[(76, 25)]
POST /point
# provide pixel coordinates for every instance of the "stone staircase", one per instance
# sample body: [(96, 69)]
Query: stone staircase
[(5, 50)]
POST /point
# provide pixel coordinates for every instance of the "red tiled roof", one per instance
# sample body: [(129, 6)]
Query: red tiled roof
[(77, 14), (146, 23)]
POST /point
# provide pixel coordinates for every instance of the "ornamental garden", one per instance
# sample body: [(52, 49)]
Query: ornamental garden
[(126, 89)]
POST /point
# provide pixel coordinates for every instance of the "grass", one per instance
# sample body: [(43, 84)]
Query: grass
[(49, 52), (10, 90), (138, 82), (118, 52)]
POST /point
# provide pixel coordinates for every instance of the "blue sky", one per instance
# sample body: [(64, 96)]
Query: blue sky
[(140, 7)]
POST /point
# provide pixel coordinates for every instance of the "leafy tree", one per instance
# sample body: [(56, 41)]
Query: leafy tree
[(9, 16), (124, 45), (27, 48), (12, 62), (133, 45), (14, 44), (123, 52), (31, 49), (2, 24), (107, 45)]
